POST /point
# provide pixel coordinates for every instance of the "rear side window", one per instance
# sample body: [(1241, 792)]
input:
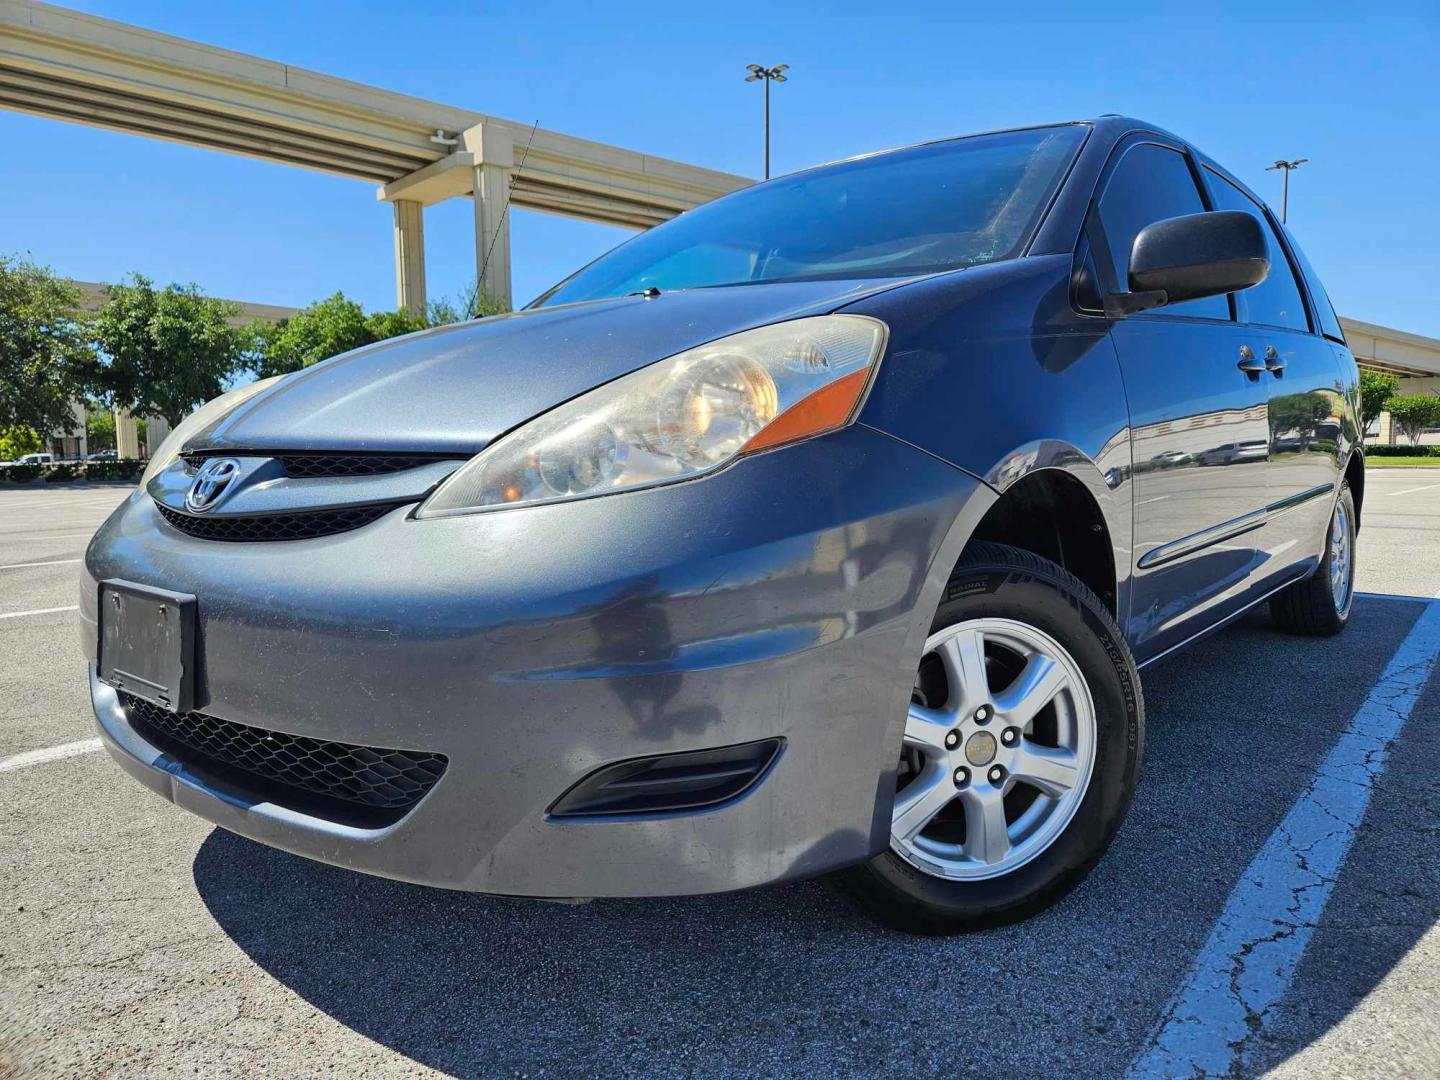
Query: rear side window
[(1152, 183), (1276, 301), (1329, 323)]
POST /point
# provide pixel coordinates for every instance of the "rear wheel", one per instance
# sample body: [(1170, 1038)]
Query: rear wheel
[(1319, 606), (1021, 750)]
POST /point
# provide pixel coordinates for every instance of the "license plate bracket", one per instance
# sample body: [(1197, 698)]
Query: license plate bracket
[(147, 643)]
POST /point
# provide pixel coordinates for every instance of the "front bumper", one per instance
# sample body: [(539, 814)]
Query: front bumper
[(782, 597)]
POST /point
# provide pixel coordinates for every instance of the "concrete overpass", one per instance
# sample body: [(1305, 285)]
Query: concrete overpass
[(69, 66)]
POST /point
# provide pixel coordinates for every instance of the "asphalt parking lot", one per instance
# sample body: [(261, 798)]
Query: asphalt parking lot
[(137, 938)]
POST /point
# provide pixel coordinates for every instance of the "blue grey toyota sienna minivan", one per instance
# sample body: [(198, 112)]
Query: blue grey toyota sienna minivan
[(824, 529)]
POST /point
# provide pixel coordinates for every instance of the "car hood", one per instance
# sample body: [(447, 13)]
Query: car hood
[(454, 389)]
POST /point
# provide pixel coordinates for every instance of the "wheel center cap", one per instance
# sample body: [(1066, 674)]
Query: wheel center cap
[(980, 749)]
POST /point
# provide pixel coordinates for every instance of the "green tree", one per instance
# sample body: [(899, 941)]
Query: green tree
[(388, 324), (327, 328), (322, 330), (471, 302), (99, 428), (1414, 413), (1376, 389), (17, 441), (45, 356), (166, 352)]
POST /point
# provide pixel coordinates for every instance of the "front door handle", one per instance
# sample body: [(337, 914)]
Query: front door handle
[(1249, 364), (1274, 363)]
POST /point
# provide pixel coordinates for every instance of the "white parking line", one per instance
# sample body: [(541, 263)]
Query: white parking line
[(1411, 491), (37, 611), (50, 753), (1250, 957), (47, 562)]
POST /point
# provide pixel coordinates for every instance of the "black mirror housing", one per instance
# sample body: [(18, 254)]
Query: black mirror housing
[(1199, 255)]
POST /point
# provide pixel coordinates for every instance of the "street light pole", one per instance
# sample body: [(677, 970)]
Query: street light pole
[(768, 75), (1286, 167)]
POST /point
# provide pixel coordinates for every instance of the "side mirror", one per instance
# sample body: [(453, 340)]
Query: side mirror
[(1188, 257)]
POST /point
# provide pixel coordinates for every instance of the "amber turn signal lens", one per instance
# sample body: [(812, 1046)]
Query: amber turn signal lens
[(825, 410)]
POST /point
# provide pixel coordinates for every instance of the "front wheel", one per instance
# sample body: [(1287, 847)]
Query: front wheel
[(1021, 751)]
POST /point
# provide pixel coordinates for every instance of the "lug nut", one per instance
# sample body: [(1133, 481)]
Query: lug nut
[(952, 739), (983, 714), (997, 774), (962, 776), (1010, 736)]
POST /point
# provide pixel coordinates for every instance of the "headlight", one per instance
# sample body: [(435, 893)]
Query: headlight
[(207, 414), (677, 419)]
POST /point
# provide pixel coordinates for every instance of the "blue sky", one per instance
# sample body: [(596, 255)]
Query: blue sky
[(1353, 88)]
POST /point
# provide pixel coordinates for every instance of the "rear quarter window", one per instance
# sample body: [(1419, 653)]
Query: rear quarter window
[(1324, 310)]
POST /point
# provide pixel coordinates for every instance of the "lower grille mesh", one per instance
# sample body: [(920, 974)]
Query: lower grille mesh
[(375, 784), (302, 525)]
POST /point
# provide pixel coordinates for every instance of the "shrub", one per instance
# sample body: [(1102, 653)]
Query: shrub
[(121, 469), (1381, 450), (20, 474), (64, 472)]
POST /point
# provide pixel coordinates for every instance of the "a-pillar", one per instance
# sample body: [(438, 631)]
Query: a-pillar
[(127, 435), (495, 156), (409, 256)]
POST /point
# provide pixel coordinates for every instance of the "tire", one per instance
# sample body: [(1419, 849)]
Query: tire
[(1318, 606), (1007, 599)]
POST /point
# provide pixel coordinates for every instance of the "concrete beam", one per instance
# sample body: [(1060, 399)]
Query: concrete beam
[(410, 256), (1396, 351), (81, 68), (93, 295)]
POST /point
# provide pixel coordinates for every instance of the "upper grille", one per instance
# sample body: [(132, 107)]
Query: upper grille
[(302, 466), (362, 785), (298, 525)]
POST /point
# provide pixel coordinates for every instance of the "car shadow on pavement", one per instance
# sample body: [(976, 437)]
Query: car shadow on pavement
[(788, 979)]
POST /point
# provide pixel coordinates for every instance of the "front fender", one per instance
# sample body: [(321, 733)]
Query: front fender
[(993, 371)]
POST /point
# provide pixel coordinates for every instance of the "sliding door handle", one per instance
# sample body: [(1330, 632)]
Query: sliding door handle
[(1249, 364), (1274, 363)]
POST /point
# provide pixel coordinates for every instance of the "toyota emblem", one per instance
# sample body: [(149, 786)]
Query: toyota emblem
[(211, 484)]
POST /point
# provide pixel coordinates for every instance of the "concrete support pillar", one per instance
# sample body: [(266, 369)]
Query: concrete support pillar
[(492, 233), (409, 256), (493, 152), (127, 435), (156, 428), (1387, 429), (77, 410)]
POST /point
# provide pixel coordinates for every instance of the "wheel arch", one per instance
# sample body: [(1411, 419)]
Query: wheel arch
[(1055, 502), (1355, 477)]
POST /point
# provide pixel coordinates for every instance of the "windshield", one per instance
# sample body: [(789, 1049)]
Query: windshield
[(936, 207)]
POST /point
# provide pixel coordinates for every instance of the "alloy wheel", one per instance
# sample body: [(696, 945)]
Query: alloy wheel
[(998, 750), (1341, 561)]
